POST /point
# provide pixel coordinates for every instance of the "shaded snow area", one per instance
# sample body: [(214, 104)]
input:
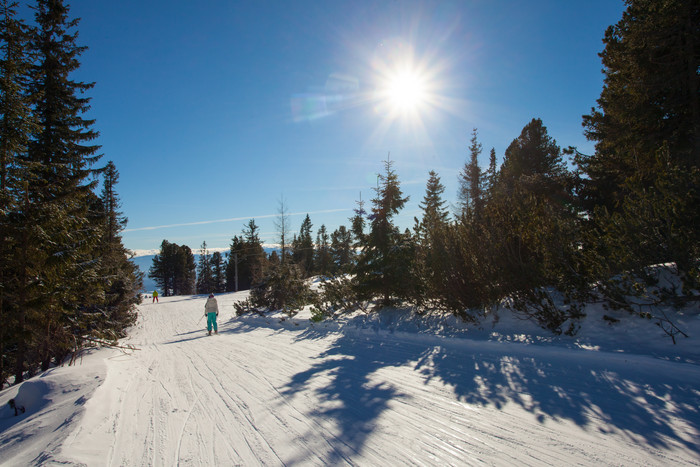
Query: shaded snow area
[(366, 390)]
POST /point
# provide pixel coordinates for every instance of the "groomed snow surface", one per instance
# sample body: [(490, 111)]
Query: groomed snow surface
[(368, 390)]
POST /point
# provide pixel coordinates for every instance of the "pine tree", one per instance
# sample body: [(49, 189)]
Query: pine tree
[(58, 274), (357, 222), (174, 269), (303, 248), (382, 269), (205, 273), (341, 250), (323, 258), (650, 98), (435, 214), (470, 189), (218, 267), (490, 179), (121, 278), (254, 253), (534, 160), (247, 258), (16, 125), (430, 232), (234, 264)]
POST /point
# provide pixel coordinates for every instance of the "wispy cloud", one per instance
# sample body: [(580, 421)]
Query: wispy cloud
[(230, 219)]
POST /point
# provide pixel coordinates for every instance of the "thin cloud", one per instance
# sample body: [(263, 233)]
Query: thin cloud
[(231, 219)]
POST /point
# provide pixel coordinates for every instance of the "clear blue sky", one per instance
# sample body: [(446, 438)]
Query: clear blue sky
[(215, 110)]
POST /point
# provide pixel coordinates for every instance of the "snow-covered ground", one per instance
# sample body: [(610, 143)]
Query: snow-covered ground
[(375, 390)]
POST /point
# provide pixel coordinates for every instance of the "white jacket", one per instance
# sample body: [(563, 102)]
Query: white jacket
[(211, 306)]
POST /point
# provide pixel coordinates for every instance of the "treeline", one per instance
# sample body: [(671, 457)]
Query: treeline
[(65, 280), (246, 264), (544, 235), (536, 232)]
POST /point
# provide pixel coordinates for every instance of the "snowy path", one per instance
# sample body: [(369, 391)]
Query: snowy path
[(269, 393)]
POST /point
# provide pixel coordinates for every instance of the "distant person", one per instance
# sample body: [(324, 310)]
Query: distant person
[(211, 311), (155, 296)]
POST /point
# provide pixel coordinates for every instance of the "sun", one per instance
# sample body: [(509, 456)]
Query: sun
[(405, 91)]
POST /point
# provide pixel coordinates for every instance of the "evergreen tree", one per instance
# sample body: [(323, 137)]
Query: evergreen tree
[(218, 267), (341, 250), (534, 160), (435, 215), (174, 269), (234, 265), (254, 253), (16, 125), (303, 248), (357, 222), (650, 98), (470, 196), (382, 269), (247, 257), (490, 179), (62, 276), (430, 231), (121, 278), (205, 273), (323, 258)]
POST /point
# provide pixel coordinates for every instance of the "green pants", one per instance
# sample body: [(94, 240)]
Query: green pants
[(211, 322)]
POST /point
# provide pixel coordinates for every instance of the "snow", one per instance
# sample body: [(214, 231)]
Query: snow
[(381, 389)]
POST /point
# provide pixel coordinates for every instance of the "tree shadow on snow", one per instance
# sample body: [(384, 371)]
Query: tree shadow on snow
[(641, 398)]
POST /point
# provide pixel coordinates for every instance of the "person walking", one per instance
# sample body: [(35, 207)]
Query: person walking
[(155, 296), (211, 311)]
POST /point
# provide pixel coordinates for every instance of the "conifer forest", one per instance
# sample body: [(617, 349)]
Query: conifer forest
[(544, 228)]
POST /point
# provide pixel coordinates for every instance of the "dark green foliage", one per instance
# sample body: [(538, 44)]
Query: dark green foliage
[(205, 272), (283, 288), (385, 265), (65, 279), (650, 98), (218, 267), (303, 248), (247, 258), (470, 181), (640, 188), (430, 234), (341, 250), (122, 279), (322, 256), (337, 295), (174, 269), (357, 223), (655, 225)]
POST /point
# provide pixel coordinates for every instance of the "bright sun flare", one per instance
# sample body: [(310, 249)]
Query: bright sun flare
[(405, 91)]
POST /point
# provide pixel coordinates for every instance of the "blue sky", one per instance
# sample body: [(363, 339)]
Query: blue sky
[(214, 111)]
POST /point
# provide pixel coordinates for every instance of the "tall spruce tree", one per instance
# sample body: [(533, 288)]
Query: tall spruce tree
[(470, 196), (59, 275), (383, 268), (205, 274), (358, 221), (303, 248), (218, 267), (650, 98), (174, 269), (323, 259), (16, 125), (430, 235), (341, 250), (120, 277)]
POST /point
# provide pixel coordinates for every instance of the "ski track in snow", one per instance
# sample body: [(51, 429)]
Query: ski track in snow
[(266, 392)]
